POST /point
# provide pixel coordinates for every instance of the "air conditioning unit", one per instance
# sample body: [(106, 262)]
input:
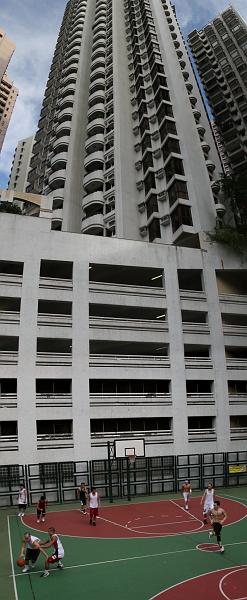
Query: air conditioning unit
[(140, 185), (138, 165), (141, 207), (143, 230), (160, 174), (165, 220), (162, 196)]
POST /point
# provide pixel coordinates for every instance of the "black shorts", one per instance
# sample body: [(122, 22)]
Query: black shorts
[(22, 506), (40, 511), (217, 528), (32, 554)]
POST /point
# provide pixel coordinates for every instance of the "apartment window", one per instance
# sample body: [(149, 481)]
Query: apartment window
[(8, 428), (152, 205), (147, 161), (181, 216), (174, 166), (167, 127), (154, 230), (171, 145), (59, 427), (149, 182)]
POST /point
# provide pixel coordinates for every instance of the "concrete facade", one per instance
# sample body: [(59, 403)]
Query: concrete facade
[(8, 95), (21, 165), (124, 147), (220, 50), (7, 47), (81, 315)]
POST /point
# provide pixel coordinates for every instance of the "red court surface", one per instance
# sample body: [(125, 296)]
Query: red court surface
[(226, 584), (153, 519)]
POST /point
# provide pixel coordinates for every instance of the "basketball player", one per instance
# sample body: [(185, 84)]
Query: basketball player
[(82, 495), (217, 517), (58, 551), (22, 501), (30, 550), (186, 492), (94, 500), (207, 501)]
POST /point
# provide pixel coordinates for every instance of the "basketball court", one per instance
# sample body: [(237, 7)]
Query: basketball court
[(146, 549)]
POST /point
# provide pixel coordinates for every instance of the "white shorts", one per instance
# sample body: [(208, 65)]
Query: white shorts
[(186, 496), (208, 506)]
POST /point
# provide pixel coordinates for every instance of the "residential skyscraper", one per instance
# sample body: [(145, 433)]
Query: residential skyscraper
[(8, 92), (106, 337), (124, 145), (8, 95), (7, 48), (220, 53), (21, 165)]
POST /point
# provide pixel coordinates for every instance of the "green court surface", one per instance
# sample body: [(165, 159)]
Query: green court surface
[(127, 568)]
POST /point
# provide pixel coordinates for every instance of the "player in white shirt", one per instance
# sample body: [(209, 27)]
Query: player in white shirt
[(22, 501), (94, 501), (30, 550), (55, 543), (207, 501)]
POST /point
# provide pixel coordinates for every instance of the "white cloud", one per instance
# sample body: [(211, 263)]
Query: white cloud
[(197, 13)]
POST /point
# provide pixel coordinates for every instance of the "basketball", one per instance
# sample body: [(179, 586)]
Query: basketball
[(20, 562)]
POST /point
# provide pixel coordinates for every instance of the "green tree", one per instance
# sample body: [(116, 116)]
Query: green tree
[(9, 207)]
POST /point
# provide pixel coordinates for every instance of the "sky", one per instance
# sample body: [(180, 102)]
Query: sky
[(34, 25)]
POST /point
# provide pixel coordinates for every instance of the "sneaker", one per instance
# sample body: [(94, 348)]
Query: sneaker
[(222, 549), (22, 514), (26, 569), (19, 514), (38, 520), (60, 565), (94, 523), (45, 574), (210, 535), (43, 520), (186, 508)]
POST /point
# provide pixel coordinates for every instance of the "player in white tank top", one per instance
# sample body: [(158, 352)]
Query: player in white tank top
[(93, 506), (207, 501)]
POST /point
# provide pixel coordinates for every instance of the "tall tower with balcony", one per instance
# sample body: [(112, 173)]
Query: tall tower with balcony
[(124, 144), (220, 51)]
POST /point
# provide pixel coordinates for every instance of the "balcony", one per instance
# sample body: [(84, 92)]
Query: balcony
[(194, 295), (51, 359), (198, 328), (62, 141), (57, 320), (134, 360), (95, 222), (126, 290), (95, 143), (9, 318), (95, 158), (128, 324), (53, 400), (236, 364), (96, 127), (52, 283), (93, 182), (238, 433), (130, 400), (55, 441), (198, 362), (59, 161), (10, 280), (159, 437), (8, 358), (8, 443), (232, 301), (198, 399), (96, 198), (8, 400), (57, 179), (202, 435), (235, 330)]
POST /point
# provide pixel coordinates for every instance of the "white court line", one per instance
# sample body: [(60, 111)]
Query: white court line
[(160, 524), (222, 580), (11, 560), (192, 579), (187, 512), (126, 559)]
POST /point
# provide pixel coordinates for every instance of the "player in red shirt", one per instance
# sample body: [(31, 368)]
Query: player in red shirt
[(41, 509), (186, 493)]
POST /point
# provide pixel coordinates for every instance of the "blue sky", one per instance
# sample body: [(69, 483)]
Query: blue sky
[(33, 25)]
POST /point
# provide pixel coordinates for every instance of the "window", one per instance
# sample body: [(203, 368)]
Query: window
[(174, 166), (154, 230), (151, 205), (171, 145), (149, 182), (177, 190), (181, 216)]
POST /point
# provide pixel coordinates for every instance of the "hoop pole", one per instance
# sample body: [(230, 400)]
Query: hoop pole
[(128, 480), (110, 472)]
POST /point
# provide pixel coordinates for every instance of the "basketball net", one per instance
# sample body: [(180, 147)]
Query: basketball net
[(132, 458)]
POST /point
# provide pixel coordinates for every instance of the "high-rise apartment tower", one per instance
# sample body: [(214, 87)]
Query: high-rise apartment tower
[(220, 53), (8, 92), (20, 165), (124, 145)]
